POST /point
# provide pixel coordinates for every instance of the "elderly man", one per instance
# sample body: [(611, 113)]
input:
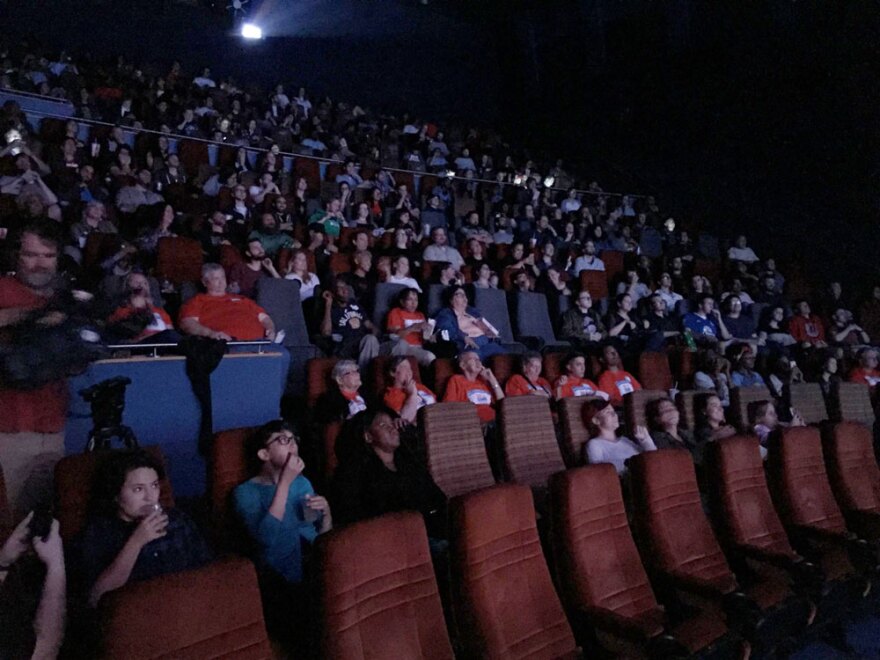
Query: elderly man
[(31, 422), (475, 384), (221, 315)]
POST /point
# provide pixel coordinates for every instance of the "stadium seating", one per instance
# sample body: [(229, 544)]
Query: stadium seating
[(531, 453), (854, 477)]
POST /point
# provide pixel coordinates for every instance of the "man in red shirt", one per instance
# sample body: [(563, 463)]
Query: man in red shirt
[(476, 384), (614, 381), (31, 422), (806, 327), (220, 315)]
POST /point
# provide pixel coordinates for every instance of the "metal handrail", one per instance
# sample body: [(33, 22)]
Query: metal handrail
[(261, 345), (291, 154)]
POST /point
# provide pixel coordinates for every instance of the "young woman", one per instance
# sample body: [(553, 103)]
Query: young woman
[(129, 537), (663, 421), (605, 446), (298, 269), (709, 419)]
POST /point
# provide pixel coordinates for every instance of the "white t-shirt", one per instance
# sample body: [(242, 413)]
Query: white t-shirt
[(406, 281), (306, 291), (586, 263), (616, 453), (742, 254)]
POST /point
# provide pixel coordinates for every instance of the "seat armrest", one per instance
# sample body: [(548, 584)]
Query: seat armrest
[(641, 629)]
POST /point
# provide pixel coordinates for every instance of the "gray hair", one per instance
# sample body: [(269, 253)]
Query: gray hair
[(210, 268), (341, 367)]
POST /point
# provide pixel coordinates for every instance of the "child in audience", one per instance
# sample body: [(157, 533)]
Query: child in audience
[(573, 383), (764, 420)]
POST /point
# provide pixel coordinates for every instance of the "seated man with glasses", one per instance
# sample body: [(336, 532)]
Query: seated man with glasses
[(282, 515), (345, 400)]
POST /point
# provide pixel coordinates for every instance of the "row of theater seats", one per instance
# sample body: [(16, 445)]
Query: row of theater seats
[(805, 535)]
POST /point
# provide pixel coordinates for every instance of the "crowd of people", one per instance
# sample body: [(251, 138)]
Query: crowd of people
[(483, 220)]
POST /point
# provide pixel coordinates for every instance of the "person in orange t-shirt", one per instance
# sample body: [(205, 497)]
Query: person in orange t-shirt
[(614, 381), (529, 382), (410, 326), (140, 301), (406, 396), (573, 383), (476, 384), (867, 371), (220, 315)]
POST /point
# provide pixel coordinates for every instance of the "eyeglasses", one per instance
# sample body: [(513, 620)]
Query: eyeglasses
[(283, 440)]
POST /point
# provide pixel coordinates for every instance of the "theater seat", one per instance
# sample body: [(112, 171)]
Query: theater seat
[(73, 488), (595, 282), (379, 594), (441, 370), (634, 406), (805, 502), (807, 399), (318, 372), (455, 448), (685, 403), (654, 372), (531, 453), (575, 433), (227, 468), (504, 602), (5, 512), (603, 583), (503, 365), (854, 477), (683, 554), (533, 325), (855, 404), (179, 260), (740, 398), (210, 612)]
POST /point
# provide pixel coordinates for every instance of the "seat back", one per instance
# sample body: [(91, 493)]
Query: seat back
[(455, 448), (634, 406), (595, 282), (685, 402), (654, 372), (531, 453), (740, 398), (575, 432), (5, 510), (852, 467), (318, 372), (441, 370), (800, 482), (435, 300), (210, 612), (533, 319), (492, 304), (855, 404), (503, 598), (807, 399), (386, 294), (740, 497), (669, 519), (227, 468), (552, 366), (179, 260), (613, 260), (74, 476), (280, 299), (379, 593), (503, 365), (597, 563)]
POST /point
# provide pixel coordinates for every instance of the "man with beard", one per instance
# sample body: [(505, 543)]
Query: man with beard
[(244, 275), (272, 240), (32, 421)]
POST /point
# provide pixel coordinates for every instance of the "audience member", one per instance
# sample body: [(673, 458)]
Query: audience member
[(405, 395), (529, 380), (615, 381), (605, 446), (475, 384)]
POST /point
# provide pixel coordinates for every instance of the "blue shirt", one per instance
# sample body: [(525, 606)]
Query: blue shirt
[(279, 542), (699, 326), (740, 379)]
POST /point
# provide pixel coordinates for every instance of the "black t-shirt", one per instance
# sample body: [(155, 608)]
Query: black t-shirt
[(19, 599), (348, 322)]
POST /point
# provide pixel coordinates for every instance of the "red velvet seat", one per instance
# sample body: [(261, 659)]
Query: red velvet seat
[(318, 372), (210, 612), (179, 260), (634, 406), (575, 432), (595, 282), (379, 593), (855, 477), (804, 500), (531, 452), (682, 552), (603, 582), (503, 598), (227, 468), (73, 488), (654, 372)]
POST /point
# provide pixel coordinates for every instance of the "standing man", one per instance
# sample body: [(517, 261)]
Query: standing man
[(31, 422)]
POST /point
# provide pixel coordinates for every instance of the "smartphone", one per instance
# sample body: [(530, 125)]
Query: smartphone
[(41, 523)]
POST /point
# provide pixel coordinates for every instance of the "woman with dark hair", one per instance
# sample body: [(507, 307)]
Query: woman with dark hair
[(410, 327), (605, 446), (621, 323), (378, 475), (529, 381), (465, 326), (299, 200), (129, 537), (158, 219), (773, 330), (709, 420), (663, 419)]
